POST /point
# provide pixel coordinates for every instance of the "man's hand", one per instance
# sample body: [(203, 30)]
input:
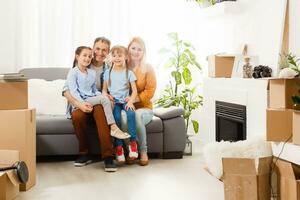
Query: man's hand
[(85, 107)]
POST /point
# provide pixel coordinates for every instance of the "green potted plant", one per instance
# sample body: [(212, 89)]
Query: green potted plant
[(289, 65), (179, 91)]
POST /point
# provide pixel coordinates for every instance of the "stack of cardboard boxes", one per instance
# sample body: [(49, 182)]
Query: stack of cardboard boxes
[(283, 125), (18, 129)]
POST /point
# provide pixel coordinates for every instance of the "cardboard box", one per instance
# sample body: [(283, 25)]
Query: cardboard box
[(18, 132), (243, 181), (9, 182), (220, 65), (279, 125), (289, 180), (14, 95), (281, 92), (296, 127)]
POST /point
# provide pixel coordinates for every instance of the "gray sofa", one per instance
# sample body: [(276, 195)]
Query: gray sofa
[(55, 134)]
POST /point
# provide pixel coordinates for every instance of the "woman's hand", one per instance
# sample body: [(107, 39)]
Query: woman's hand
[(127, 99), (137, 99), (85, 107), (129, 106)]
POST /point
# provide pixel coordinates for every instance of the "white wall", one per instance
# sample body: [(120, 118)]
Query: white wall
[(255, 22)]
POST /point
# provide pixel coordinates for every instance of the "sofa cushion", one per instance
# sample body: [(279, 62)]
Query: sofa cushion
[(168, 113), (59, 124), (53, 124), (46, 96), (155, 126)]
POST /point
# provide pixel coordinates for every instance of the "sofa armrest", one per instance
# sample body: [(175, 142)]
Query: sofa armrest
[(168, 113)]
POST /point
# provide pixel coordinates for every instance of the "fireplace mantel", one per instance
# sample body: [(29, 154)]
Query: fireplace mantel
[(252, 93)]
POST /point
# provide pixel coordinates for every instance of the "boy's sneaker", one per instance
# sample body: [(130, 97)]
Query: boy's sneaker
[(82, 160), (109, 165), (133, 151), (120, 154), (117, 133)]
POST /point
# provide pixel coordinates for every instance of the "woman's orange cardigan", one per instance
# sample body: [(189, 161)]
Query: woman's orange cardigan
[(146, 86)]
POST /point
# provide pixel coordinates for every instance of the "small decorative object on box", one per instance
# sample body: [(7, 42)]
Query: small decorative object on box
[(262, 71), (287, 73)]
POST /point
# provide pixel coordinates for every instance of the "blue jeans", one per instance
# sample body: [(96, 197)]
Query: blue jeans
[(130, 121), (142, 117)]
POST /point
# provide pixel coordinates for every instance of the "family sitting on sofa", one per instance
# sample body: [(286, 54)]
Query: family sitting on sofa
[(96, 90)]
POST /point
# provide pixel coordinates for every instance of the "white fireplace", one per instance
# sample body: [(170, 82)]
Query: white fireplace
[(251, 93)]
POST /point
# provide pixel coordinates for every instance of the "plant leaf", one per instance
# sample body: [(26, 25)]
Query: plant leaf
[(195, 126), (187, 76), (177, 77)]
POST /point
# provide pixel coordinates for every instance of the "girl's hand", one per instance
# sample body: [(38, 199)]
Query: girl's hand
[(85, 107), (129, 105)]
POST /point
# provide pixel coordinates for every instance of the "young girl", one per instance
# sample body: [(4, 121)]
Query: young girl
[(118, 80), (82, 85)]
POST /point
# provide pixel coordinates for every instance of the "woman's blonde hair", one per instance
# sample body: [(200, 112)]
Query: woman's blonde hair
[(144, 66)]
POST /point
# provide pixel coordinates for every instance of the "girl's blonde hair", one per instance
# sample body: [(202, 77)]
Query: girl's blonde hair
[(120, 50), (144, 66)]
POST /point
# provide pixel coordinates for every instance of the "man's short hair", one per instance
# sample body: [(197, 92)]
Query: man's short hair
[(102, 39)]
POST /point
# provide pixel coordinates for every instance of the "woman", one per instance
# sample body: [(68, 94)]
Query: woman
[(146, 85)]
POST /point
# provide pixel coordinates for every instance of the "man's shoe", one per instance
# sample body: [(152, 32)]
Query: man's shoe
[(82, 160), (117, 133), (109, 165), (120, 154)]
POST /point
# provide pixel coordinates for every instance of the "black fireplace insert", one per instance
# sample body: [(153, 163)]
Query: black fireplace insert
[(230, 121)]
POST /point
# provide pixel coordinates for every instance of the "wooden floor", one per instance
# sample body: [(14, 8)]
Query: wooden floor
[(176, 179)]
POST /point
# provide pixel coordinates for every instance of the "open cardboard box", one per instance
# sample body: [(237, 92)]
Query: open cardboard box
[(281, 92), (289, 180), (15, 95), (18, 132), (220, 65), (9, 182), (279, 125), (245, 179)]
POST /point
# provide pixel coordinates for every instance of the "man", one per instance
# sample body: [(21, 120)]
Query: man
[(84, 109)]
